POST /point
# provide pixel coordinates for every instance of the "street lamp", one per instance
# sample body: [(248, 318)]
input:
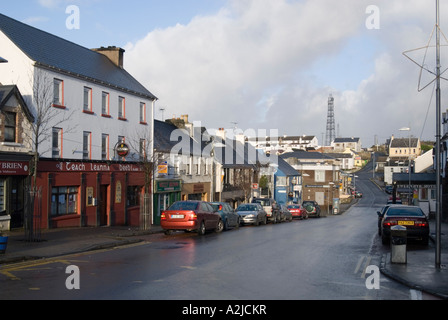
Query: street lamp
[(409, 161)]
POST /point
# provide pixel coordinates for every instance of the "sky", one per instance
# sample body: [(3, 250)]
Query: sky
[(269, 66)]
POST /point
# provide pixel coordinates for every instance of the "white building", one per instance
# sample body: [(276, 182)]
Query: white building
[(95, 102)]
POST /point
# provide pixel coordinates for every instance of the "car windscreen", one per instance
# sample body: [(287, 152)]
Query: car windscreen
[(183, 205), (417, 212), (263, 202), (247, 207)]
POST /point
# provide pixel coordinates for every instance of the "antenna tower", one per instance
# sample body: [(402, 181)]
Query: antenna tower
[(330, 122)]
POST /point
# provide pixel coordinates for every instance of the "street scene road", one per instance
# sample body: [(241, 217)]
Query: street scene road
[(329, 258)]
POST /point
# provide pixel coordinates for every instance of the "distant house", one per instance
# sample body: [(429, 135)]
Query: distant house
[(341, 144), (404, 148)]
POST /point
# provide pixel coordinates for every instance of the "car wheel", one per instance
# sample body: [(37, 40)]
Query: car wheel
[(256, 223), (384, 239), (168, 232), (201, 230), (220, 226), (265, 221), (238, 223)]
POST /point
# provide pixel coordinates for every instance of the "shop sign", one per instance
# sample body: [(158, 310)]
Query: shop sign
[(68, 166), (168, 186), (17, 168), (122, 149)]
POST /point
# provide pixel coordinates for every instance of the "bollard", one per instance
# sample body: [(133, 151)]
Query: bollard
[(398, 242)]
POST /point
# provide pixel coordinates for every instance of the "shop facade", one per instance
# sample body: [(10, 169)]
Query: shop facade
[(89, 194), (166, 192)]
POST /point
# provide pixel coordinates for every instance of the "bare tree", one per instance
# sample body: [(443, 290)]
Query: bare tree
[(46, 117)]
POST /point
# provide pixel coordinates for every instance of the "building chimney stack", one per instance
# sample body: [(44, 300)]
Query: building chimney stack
[(114, 54)]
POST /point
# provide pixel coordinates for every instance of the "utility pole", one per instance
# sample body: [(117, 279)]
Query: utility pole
[(438, 124)]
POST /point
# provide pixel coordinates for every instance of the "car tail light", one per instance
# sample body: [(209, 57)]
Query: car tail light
[(193, 216), (389, 223), (162, 216), (421, 224), (220, 207)]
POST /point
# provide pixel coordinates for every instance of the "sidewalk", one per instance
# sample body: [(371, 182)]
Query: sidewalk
[(419, 272)]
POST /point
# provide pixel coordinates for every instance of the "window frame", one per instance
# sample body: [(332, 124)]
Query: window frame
[(121, 108), (105, 146), (59, 140), (105, 104), (87, 145), (11, 128), (71, 200), (143, 113), (87, 108), (59, 85)]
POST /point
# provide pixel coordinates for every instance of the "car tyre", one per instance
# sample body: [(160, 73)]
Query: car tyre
[(220, 226), (201, 230), (168, 232)]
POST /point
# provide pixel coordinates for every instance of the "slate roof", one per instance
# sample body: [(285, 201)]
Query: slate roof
[(404, 143), (341, 140), (55, 53), (183, 143)]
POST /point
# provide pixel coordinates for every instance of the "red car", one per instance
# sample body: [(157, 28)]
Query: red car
[(190, 216), (297, 211)]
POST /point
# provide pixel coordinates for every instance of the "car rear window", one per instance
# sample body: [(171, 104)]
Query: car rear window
[(293, 207), (247, 207), (405, 212), (183, 206), (263, 202)]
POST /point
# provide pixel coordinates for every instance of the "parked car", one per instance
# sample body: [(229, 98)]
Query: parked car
[(228, 215), (411, 217), (271, 207), (312, 208), (297, 211), (381, 215), (285, 215), (397, 201), (191, 216), (252, 213), (358, 194), (389, 189)]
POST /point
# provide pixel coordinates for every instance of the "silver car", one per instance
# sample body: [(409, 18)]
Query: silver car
[(252, 213)]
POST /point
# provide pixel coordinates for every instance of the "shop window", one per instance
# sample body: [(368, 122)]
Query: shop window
[(133, 195), (2, 195), (64, 200)]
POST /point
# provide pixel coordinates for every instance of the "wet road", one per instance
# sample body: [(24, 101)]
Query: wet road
[(321, 258)]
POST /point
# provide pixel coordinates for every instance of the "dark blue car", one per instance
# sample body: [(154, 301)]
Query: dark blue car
[(229, 217)]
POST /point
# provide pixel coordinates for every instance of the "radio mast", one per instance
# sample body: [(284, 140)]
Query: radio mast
[(330, 122)]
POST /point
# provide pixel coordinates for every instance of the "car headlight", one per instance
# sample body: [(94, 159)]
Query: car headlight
[(250, 216)]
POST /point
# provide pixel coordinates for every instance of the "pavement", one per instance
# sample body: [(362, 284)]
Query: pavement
[(419, 272)]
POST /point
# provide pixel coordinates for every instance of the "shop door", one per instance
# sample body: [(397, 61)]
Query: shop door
[(17, 202), (103, 205)]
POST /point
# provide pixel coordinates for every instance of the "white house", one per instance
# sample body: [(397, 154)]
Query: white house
[(91, 106), (95, 102)]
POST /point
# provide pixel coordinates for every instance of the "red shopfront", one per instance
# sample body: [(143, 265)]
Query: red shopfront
[(90, 194)]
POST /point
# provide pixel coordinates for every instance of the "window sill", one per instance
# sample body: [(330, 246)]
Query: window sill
[(106, 115), (59, 106), (122, 119), (88, 112), (143, 123)]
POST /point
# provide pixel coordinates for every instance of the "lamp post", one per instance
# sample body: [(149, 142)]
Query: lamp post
[(409, 161)]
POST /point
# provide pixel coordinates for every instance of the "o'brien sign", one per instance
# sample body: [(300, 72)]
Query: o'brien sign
[(17, 168)]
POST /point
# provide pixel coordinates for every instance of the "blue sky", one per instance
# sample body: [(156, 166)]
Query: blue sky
[(265, 64)]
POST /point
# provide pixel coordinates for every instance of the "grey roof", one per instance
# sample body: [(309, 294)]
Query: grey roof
[(6, 92), (286, 168), (416, 178), (307, 155), (404, 143), (182, 142), (339, 140), (52, 52)]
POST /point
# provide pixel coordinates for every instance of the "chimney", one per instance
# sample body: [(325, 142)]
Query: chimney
[(113, 53)]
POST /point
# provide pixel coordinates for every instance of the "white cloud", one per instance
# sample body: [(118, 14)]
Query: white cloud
[(254, 62)]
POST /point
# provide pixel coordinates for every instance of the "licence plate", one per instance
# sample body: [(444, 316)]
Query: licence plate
[(177, 216), (405, 223)]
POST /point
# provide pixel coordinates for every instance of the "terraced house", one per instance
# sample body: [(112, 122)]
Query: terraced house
[(96, 122)]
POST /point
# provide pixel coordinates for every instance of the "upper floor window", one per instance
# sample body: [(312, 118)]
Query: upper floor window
[(87, 145), (121, 108), (319, 176), (56, 151), (10, 127), (142, 113), (105, 110), (58, 92), (105, 147), (87, 106)]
